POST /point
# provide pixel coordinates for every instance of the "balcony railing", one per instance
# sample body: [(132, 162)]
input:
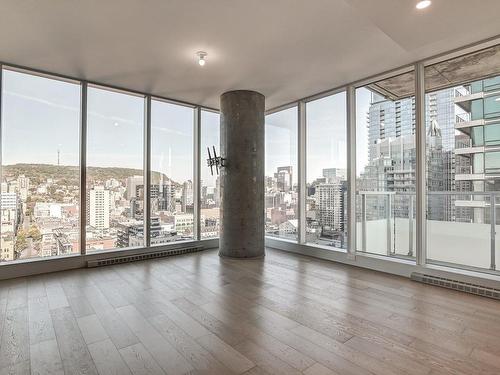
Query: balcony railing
[(463, 144), (459, 169), (462, 91), (461, 226), (462, 117)]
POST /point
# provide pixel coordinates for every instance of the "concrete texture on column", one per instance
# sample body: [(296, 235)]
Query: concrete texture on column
[(242, 180)]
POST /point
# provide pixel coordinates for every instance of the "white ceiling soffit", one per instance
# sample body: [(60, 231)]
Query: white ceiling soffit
[(286, 49)]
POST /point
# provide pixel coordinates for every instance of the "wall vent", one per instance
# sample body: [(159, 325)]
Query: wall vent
[(144, 256), (461, 286)]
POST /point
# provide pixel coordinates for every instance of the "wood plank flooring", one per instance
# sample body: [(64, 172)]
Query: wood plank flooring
[(199, 314)]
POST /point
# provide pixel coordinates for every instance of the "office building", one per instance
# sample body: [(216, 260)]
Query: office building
[(99, 208)]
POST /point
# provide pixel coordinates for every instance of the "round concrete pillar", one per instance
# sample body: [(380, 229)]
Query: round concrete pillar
[(242, 179)]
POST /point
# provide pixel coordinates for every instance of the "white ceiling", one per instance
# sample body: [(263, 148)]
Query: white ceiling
[(286, 49)]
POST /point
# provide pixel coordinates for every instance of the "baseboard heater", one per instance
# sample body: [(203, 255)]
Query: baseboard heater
[(461, 286), (143, 256)]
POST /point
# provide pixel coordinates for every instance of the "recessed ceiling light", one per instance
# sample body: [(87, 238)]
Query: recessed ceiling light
[(201, 57), (423, 4)]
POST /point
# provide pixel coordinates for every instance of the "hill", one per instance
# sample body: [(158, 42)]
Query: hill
[(70, 174)]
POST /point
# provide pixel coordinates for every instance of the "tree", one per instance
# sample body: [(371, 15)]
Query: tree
[(34, 233), (21, 241)]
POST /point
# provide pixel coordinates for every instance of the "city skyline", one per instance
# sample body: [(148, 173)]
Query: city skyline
[(41, 204)]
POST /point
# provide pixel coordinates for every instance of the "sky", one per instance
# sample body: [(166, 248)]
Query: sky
[(326, 132), (210, 136), (326, 135), (172, 140), (41, 116), (281, 141)]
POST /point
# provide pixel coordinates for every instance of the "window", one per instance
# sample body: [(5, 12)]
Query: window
[(210, 183), (477, 137), (492, 107), (492, 134), (386, 167), (115, 172), (172, 204), (492, 162), (463, 132), (326, 171), (40, 167), (281, 190), (478, 163)]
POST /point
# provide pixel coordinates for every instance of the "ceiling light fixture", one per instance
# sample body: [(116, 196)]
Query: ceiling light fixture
[(423, 4), (201, 57)]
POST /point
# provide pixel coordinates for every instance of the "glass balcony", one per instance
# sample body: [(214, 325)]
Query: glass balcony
[(386, 223), (462, 227)]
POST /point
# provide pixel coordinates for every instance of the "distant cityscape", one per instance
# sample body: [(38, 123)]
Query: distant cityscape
[(40, 210), (325, 205)]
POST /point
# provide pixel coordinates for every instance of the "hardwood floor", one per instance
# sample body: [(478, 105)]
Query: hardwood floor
[(199, 314)]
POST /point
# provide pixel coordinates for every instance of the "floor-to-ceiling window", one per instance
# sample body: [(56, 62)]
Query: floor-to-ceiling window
[(40, 176), (326, 171), (463, 160), (40, 170), (281, 187), (171, 193), (210, 180), (386, 167), (115, 169)]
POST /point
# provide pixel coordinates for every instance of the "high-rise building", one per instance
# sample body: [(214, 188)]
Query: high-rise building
[(284, 178), (166, 197), (477, 155), (11, 218), (23, 184), (98, 208), (187, 195), (330, 205), (132, 183), (392, 154), (331, 174)]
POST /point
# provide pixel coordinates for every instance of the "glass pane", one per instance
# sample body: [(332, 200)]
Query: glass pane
[(171, 173), (476, 109), (115, 175), (491, 84), (492, 106), (281, 174), (386, 161), (210, 184), (477, 137), (492, 162), (460, 173), (40, 167), (478, 163), (492, 135), (326, 160)]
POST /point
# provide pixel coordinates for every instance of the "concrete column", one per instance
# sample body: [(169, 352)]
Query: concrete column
[(242, 179)]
